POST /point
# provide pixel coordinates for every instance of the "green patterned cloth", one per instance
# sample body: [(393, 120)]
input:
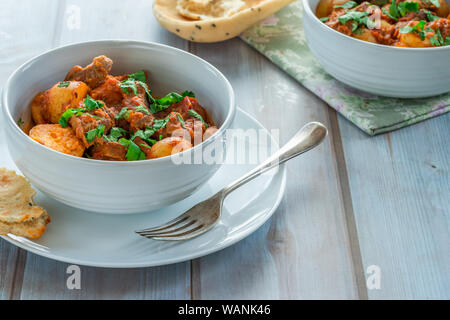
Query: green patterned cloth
[(281, 39)]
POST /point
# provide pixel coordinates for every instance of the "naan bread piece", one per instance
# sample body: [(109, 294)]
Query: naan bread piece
[(19, 214), (218, 20), (208, 9)]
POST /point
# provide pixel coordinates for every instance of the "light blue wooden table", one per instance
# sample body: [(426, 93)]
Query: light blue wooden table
[(355, 207)]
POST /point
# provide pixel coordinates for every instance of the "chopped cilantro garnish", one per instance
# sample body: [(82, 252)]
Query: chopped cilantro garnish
[(416, 28), (447, 41), (133, 152), (358, 17), (144, 135), (406, 7), (324, 19), (139, 76), (118, 132), (156, 105), (65, 117), (63, 84), (180, 118), (123, 114), (141, 108), (347, 5), (352, 15), (431, 16), (196, 115), (397, 11), (97, 132), (128, 84), (437, 40), (92, 104), (379, 3), (166, 101), (188, 94), (20, 122), (393, 10), (157, 125)]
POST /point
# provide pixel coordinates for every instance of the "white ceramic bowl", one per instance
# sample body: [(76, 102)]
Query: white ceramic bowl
[(382, 70), (115, 186)]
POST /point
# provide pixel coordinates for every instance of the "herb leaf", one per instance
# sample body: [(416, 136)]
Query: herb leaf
[(431, 16), (134, 152), (393, 10), (437, 40), (65, 117), (115, 133), (139, 76), (418, 27), (63, 84), (180, 118), (123, 114), (128, 84), (347, 5), (352, 15), (92, 104), (196, 115), (97, 132), (166, 101), (141, 108), (406, 7)]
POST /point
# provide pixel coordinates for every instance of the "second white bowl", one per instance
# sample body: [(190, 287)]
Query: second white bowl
[(378, 69)]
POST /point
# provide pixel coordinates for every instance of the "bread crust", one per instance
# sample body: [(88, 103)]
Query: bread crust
[(19, 215)]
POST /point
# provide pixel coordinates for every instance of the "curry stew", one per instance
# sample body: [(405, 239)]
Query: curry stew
[(410, 23), (97, 115)]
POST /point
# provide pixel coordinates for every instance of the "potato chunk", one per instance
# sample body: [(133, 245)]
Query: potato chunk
[(47, 107), (324, 7), (57, 138), (444, 9), (365, 35), (413, 40), (169, 146)]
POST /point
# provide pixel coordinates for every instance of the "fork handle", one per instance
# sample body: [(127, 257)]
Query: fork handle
[(308, 137)]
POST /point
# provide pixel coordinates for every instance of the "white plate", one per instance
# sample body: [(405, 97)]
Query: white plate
[(92, 239)]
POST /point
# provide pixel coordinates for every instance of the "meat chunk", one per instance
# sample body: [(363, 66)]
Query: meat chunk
[(109, 91), (108, 150), (93, 74), (183, 108), (139, 121), (89, 121)]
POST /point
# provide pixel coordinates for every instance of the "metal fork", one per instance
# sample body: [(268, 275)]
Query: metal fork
[(204, 215)]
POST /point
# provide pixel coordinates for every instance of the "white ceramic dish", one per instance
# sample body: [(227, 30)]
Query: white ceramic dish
[(87, 238), (382, 70), (115, 186)]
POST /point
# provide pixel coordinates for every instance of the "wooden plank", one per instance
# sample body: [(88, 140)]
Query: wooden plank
[(304, 250), (22, 38), (45, 278), (400, 186), (113, 19), (18, 43)]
